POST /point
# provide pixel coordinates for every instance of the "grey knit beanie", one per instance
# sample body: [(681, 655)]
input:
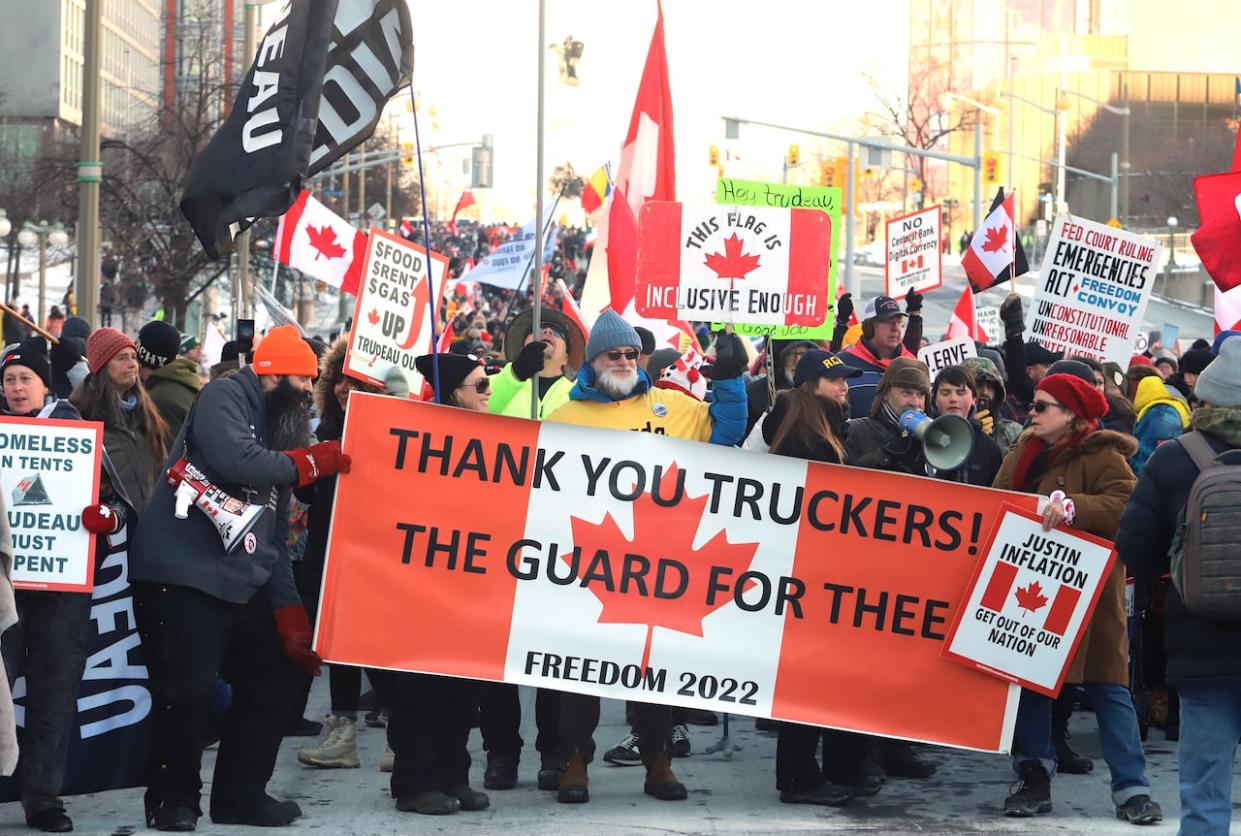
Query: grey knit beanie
[(611, 332), (1220, 383)]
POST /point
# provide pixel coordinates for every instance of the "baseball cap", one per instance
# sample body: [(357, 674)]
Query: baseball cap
[(883, 309), (818, 363)]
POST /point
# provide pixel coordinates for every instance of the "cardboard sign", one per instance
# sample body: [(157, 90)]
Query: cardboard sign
[(392, 320), (1093, 289), (49, 472), (827, 199), (988, 319), (735, 264), (678, 573), (912, 258), (1029, 600), (939, 356)]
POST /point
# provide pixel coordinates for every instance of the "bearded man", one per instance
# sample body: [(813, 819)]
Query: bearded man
[(203, 608)]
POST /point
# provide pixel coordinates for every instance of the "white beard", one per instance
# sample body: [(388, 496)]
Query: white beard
[(614, 386)]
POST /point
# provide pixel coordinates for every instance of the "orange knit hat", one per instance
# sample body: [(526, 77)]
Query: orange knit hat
[(283, 351)]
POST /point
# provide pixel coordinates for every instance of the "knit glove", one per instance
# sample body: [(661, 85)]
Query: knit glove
[(1012, 317), (530, 361), (102, 519), (913, 302), (317, 461), (295, 636), (844, 310), (983, 417), (730, 358)]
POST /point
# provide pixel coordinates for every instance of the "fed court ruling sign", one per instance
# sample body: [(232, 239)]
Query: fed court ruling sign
[(912, 256), (49, 472), (1029, 601)]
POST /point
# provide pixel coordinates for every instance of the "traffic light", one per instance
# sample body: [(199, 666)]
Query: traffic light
[(827, 172), (991, 168), (794, 156), (407, 155), (915, 186), (713, 155)]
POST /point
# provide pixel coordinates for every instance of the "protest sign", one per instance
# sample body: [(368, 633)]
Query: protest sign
[(735, 264), (939, 356), (675, 572), (49, 472), (1029, 600), (392, 321), (828, 199), (1093, 289), (912, 258), (988, 319), (506, 266)]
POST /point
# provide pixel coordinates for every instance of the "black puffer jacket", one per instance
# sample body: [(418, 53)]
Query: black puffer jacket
[(1200, 651)]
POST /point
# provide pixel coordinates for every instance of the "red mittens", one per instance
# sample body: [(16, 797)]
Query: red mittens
[(101, 519)]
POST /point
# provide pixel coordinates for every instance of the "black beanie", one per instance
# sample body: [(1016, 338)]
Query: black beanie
[(1074, 367), (32, 354), (454, 368), (158, 344), (1195, 361)]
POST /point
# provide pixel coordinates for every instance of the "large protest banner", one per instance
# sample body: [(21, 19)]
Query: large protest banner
[(392, 322), (49, 472), (672, 572), (1093, 289)]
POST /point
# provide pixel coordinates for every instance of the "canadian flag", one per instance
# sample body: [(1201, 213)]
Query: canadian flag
[(963, 322), (1218, 239), (1031, 597), (995, 253), (1227, 310), (320, 243)]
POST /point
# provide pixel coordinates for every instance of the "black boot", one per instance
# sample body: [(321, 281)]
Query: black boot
[(501, 772), (900, 760), (1032, 795), (1068, 761), (173, 819), (430, 803), (264, 811), (551, 770), (51, 820)]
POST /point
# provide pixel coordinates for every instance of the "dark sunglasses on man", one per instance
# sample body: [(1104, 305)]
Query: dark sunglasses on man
[(629, 354)]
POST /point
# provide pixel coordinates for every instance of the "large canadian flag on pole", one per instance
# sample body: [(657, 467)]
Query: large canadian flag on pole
[(995, 253), (647, 171), (1218, 239), (314, 239), (964, 323)]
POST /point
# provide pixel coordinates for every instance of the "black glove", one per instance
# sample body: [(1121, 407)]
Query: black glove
[(913, 302), (898, 442), (530, 361), (66, 353), (730, 358), (1011, 316), (844, 308)]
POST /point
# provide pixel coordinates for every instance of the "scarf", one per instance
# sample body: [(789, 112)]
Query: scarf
[(1037, 458)]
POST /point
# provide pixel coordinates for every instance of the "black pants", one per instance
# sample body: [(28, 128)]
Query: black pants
[(579, 717), (796, 767), (429, 719), (189, 636), (500, 720), (47, 646)]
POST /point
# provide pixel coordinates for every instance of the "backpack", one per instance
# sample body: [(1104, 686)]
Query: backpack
[(1206, 552)]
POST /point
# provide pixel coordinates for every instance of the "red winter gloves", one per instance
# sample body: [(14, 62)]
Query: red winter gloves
[(101, 519), (295, 635), (317, 461)]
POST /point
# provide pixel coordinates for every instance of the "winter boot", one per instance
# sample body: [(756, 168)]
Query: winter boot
[(826, 794), (263, 812), (471, 800), (501, 772), (339, 748), (900, 760), (387, 760), (1032, 795), (429, 803), (1068, 761), (551, 770), (660, 782), (574, 785)]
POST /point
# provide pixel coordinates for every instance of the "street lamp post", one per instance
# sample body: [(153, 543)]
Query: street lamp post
[(40, 236), (1057, 113), (1172, 222)]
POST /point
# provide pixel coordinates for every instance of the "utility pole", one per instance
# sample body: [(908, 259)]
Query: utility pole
[(90, 169), (243, 304), (1124, 149)]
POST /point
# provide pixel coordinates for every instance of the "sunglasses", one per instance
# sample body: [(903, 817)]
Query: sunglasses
[(630, 355), (1042, 406), (481, 386)]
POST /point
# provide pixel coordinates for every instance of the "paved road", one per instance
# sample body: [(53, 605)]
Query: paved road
[(734, 796)]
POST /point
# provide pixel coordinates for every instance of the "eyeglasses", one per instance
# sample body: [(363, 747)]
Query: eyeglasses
[(481, 386), (630, 355), (1042, 406)]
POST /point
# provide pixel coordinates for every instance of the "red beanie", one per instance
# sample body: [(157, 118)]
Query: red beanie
[(1075, 394), (102, 345), (1140, 360)]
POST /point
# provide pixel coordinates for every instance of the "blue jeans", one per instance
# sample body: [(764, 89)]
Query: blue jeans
[(1210, 727), (1118, 735)]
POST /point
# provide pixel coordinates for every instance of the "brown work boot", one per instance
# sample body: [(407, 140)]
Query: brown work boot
[(660, 782), (574, 786)]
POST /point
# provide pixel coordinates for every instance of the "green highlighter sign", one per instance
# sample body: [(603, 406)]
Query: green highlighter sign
[(731, 191)]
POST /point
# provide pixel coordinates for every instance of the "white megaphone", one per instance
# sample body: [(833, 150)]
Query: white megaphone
[(232, 517), (947, 441)]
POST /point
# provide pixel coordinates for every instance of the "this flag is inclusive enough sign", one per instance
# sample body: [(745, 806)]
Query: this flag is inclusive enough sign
[(733, 264)]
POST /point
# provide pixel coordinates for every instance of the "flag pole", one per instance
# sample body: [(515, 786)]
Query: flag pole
[(536, 325), (1012, 263), (426, 242)]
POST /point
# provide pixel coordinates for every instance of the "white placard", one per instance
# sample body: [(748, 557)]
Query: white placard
[(912, 255), (939, 356)]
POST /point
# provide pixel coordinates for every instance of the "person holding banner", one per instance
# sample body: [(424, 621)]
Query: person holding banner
[(45, 646), (613, 392), (1084, 471), (884, 338), (216, 596)]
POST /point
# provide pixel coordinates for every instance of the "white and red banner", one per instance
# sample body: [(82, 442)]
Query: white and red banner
[(738, 264), (1029, 601), (314, 239), (1228, 309), (912, 259), (954, 352), (677, 573), (995, 254), (392, 323)]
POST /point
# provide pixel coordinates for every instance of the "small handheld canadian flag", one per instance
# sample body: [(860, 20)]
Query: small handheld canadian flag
[(320, 243)]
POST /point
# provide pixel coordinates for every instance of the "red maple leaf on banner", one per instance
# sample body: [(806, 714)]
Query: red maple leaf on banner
[(1030, 597), (373, 316), (732, 265), (997, 239), (323, 240), (659, 533)]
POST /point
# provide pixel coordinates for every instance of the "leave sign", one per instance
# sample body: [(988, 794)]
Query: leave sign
[(49, 472), (733, 264), (392, 320), (1029, 601), (675, 572), (912, 258)]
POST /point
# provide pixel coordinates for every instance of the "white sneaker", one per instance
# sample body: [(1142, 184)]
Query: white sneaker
[(387, 759), (339, 747)]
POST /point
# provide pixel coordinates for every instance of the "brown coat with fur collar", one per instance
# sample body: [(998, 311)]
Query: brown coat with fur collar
[(1096, 476), (331, 372)]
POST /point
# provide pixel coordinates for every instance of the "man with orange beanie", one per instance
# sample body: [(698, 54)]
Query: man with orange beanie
[(208, 600)]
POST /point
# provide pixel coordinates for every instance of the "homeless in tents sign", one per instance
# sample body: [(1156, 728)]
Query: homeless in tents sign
[(1032, 595), (49, 472), (912, 258), (673, 572), (1093, 288), (392, 320)]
